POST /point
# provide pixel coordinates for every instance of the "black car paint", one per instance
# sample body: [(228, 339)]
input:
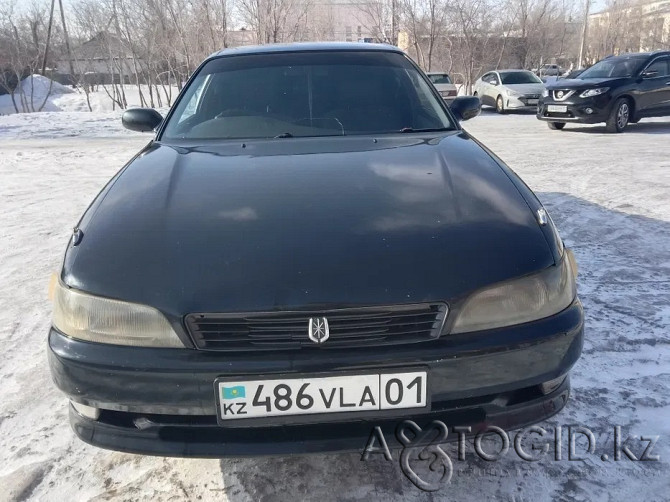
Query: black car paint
[(402, 220), (141, 119), (478, 380), (176, 379), (650, 97), (308, 222)]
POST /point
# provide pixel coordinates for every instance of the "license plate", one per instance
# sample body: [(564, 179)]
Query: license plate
[(557, 108), (333, 394), (532, 101)]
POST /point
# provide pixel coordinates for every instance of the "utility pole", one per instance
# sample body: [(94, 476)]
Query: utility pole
[(394, 22), (67, 38), (582, 43), (46, 48)]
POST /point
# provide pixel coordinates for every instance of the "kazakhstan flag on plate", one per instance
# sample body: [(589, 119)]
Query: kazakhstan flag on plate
[(233, 392)]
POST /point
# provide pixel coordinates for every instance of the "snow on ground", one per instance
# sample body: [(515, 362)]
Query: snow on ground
[(61, 98), (609, 195), (51, 125)]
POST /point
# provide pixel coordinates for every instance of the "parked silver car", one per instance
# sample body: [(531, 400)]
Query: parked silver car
[(444, 85), (548, 70), (509, 90)]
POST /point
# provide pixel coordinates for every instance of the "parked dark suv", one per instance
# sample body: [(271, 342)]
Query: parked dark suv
[(617, 90)]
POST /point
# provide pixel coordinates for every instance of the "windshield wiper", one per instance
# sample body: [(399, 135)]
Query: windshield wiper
[(431, 129), (284, 135)]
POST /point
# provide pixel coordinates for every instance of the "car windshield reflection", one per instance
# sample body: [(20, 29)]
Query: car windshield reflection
[(303, 95)]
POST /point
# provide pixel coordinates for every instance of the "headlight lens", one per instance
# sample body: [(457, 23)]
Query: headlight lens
[(510, 92), (102, 320), (594, 92), (520, 300)]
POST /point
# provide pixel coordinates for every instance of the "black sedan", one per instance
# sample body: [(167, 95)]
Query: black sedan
[(309, 247), (617, 91)]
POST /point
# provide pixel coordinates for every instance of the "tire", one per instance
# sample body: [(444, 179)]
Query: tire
[(500, 106), (619, 116), (556, 126)]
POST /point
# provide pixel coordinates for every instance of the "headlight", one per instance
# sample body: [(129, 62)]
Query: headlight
[(512, 93), (594, 92), (96, 319), (520, 300), (545, 93)]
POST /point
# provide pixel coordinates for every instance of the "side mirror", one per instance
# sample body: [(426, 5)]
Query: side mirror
[(649, 74), (466, 107), (141, 119)]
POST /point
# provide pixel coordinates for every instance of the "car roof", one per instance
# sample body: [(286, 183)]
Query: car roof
[(627, 55), (437, 73), (513, 70), (306, 47), (646, 54)]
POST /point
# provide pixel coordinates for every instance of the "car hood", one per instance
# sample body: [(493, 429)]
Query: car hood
[(526, 88), (589, 83), (292, 223)]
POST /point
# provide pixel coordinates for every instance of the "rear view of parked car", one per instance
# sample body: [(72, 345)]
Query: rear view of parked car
[(509, 90), (548, 70), (617, 90), (444, 85)]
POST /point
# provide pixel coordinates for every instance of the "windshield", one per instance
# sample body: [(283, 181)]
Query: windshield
[(439, 78), (306, 94), (614, 67), (519, 77)]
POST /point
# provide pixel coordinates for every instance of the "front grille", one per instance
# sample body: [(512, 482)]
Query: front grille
[(562, 94), (288, 330), (528, 101)]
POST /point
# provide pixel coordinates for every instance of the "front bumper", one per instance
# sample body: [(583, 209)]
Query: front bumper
[(519, 103), (161, 401), (583, 110)]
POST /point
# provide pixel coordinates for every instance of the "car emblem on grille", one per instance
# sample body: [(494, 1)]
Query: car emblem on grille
[(318, 330), (559, 94)]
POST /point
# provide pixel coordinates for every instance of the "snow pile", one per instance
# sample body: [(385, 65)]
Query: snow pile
[(67, 99), (34, 93), (40, 87)]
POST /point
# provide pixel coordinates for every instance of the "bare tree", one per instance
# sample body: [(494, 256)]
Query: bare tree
[(435, 20), (472, 25), (24, 42), (275, 20), (150, 46), (381, 18)]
